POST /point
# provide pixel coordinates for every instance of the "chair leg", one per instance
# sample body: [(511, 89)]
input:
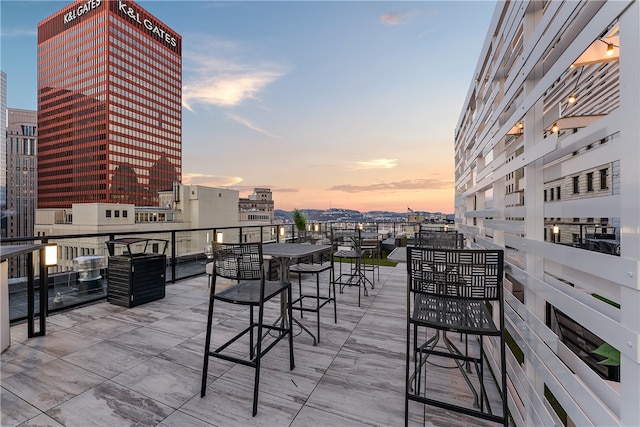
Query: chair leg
[(258, 357), (332, 284), (318, 303), (291, 359), (207, 347), (251, 324), (358, 266), (406, 377), (300, 293), (373, 269)]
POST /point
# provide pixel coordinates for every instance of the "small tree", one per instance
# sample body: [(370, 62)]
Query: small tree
[(300, 220)]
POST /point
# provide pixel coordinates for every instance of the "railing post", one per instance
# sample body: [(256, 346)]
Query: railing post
[(30, 295), (44, 291), (173, 257)]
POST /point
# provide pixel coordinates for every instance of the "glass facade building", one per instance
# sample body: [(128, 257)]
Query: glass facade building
[(109, 105), (3, 154)]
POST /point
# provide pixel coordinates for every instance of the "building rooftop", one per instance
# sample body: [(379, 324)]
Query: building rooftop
[(108, 365)]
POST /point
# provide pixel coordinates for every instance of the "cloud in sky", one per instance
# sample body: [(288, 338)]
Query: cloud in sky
[(376, 164), (210, 180), (249, 124), (395, 18), (417, 184), (19, 32), (230, 183), (285, 190), (275, 190), (226, 77)]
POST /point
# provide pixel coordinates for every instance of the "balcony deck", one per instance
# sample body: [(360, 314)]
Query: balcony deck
[(107, 365)]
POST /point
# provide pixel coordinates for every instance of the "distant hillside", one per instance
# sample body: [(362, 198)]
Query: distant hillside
[(347, 215)]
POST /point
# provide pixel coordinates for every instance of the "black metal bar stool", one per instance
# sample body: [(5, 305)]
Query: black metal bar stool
[(320, 300), (450, 290), (244, 262)]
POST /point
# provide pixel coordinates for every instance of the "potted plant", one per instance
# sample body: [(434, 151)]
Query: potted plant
[(300, 221)]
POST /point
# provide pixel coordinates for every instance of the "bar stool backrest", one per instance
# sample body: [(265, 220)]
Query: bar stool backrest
[(463, 273), (441, 239), (348, 239), (238, 261)]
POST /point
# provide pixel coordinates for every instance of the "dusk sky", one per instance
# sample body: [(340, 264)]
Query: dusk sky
[(330, 104)]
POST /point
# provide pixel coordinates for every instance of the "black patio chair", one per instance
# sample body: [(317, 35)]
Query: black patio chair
[(243, 262), (315, 268), (348, 250), (449, 239), (372, 252), (451, 290)]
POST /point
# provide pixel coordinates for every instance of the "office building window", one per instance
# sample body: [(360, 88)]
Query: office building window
[(108, 213), (545, 195), (603, 179), (576, 185), (590, 181), (558, 192)]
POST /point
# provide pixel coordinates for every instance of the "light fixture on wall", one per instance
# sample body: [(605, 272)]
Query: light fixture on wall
[(572, 96), (555, 128), (51, 255), (219, 237), (556, 230), (610, 47)]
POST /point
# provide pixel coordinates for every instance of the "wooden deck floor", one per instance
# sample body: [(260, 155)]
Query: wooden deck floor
[(106, 365)]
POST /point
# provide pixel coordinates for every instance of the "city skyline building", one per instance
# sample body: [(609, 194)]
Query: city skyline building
[(258, 206), (109, 105), (187, 207), (21, 177), (3, 154)]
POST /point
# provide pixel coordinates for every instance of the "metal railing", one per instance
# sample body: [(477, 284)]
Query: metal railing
[(185, 254)]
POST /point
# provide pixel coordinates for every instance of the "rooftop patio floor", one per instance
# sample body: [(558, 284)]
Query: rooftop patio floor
[(106, 365)]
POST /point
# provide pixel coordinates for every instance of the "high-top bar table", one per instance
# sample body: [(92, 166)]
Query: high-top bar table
[(285, 254), (356, 276)]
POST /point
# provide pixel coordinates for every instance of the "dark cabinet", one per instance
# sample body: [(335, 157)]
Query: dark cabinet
[(135, 278)]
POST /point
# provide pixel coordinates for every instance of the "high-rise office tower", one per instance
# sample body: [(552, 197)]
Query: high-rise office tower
[(109, 105), (3, 154)]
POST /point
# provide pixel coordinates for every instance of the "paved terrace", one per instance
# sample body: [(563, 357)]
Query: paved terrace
[(105, 365)]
